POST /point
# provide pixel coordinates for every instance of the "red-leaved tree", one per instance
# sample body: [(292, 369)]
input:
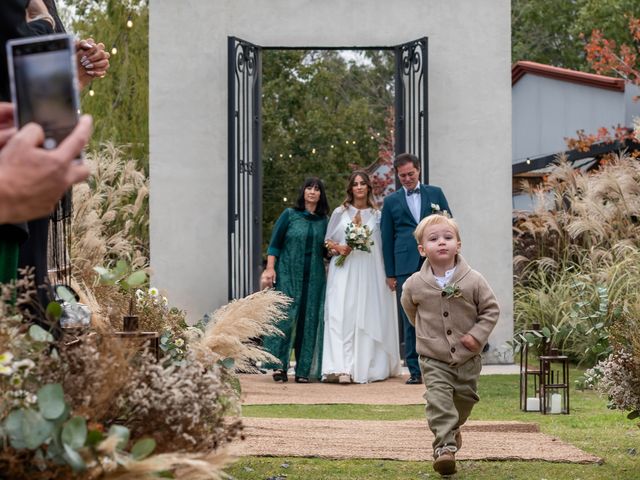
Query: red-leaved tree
[(607, 58)]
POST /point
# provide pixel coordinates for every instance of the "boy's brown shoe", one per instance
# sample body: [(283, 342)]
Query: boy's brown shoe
[(445, 462), (458, 438)]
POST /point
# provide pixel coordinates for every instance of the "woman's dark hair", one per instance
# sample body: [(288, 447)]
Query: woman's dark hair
[(365, 176), (322, 209)]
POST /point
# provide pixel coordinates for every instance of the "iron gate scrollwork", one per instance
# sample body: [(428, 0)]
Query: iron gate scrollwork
[(245, 186), (411, 102)]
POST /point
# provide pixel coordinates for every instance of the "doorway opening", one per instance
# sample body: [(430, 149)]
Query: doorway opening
[(299, 112)]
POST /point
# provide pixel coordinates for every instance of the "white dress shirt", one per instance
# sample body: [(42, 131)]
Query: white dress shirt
[(414, 203)]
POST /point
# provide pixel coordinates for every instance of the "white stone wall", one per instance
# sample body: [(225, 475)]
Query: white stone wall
[(469, 123)]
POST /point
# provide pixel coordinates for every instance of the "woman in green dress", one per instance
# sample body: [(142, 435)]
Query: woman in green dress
[(295, 266)]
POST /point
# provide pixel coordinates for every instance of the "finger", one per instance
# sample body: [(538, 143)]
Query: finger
[(77, 173), (6, 114), (87, 44), (6, 134), (31, 134), (71, 147), (101, 65)]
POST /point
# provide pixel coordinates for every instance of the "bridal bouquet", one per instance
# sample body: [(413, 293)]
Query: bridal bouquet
[(358, 238)]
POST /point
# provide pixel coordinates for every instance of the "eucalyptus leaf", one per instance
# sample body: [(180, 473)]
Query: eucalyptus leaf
[(74, 432), (228, 363), (136, 279), (143, 448), (546, 332), (65, 294), (54, 310), (39, 334), (35, 429), (121, 268), (94, 437), (74, 459), (122, 433), (51, 401), (13, 428)]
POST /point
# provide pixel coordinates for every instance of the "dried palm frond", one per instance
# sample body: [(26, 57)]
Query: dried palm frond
[(185, 466), (233, 328)]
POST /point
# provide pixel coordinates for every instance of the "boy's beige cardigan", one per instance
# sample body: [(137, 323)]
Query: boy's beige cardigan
[(441, 320)]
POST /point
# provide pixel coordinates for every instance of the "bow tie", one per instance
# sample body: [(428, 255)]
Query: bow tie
[(413, 191)]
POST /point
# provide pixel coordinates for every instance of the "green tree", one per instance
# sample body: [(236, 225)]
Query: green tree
[(556, 32), (321, 116), (119, 102)]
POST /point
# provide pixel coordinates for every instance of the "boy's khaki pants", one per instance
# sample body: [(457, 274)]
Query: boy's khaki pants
[(451, 394)]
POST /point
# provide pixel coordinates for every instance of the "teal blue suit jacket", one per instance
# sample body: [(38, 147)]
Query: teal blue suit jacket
[(399, 247)]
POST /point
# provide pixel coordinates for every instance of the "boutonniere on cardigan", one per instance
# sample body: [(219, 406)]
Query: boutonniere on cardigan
[(452, 291)]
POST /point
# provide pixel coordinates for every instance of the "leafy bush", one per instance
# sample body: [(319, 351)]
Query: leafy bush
[(578, 257)]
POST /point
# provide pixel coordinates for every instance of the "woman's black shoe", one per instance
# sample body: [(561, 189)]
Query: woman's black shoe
[(302, 380), (280, 376)]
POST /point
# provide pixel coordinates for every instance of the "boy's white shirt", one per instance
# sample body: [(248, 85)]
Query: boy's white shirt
[(442, 281)]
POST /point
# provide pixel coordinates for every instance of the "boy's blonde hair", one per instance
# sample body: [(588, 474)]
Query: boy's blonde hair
[(435, 219)]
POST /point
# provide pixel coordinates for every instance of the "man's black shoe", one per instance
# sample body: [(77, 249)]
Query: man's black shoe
[(414, 380)]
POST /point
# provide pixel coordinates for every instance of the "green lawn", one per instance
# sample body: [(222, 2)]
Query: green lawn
[(590, 426)]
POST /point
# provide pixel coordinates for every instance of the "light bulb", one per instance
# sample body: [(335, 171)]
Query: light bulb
[(91, 92), (313, 151), (114, 51), (129, 23)]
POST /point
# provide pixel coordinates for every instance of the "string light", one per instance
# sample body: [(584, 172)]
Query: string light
[(284, 199), (129, 22), (91, 92), (114, 50), (313, 151)]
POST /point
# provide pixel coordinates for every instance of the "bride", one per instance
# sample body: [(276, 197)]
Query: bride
[(360, 317)]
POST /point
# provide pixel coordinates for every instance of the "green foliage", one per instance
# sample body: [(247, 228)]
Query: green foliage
[(319, 115), (125, 278), (550, 31), (120, 104)]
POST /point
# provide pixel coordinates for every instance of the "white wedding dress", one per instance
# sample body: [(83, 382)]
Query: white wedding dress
[(360, 317)]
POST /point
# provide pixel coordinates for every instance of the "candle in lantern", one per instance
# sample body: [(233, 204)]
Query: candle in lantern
[(533, 404), (556, 400)]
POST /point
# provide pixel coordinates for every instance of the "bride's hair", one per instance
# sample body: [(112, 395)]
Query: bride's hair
[(365, 176)]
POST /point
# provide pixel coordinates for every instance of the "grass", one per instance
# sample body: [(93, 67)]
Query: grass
[(590, 426)]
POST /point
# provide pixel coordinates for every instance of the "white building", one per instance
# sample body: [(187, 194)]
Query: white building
[(195, 245), (550, 104)]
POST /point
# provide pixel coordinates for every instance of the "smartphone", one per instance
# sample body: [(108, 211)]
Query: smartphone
[(44, 84)]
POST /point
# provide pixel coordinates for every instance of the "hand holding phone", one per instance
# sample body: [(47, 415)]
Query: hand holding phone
[(44, 84)]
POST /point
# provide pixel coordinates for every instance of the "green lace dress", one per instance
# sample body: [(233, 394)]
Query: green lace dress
[(297, 243)]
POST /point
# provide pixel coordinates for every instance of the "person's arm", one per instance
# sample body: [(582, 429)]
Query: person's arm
[(32, 179), (444, 205), (408, 306), (488, 314), (387, 233), (275, 245)]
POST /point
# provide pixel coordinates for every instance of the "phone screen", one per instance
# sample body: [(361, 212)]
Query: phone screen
[(43, 74)]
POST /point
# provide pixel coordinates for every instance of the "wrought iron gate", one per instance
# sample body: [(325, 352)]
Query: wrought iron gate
[(411, 134), (245, 176)]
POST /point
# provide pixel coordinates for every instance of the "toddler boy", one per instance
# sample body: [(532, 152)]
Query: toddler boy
[(453, 310)]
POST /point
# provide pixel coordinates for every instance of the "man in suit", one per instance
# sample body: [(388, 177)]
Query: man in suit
[(401, 213)]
